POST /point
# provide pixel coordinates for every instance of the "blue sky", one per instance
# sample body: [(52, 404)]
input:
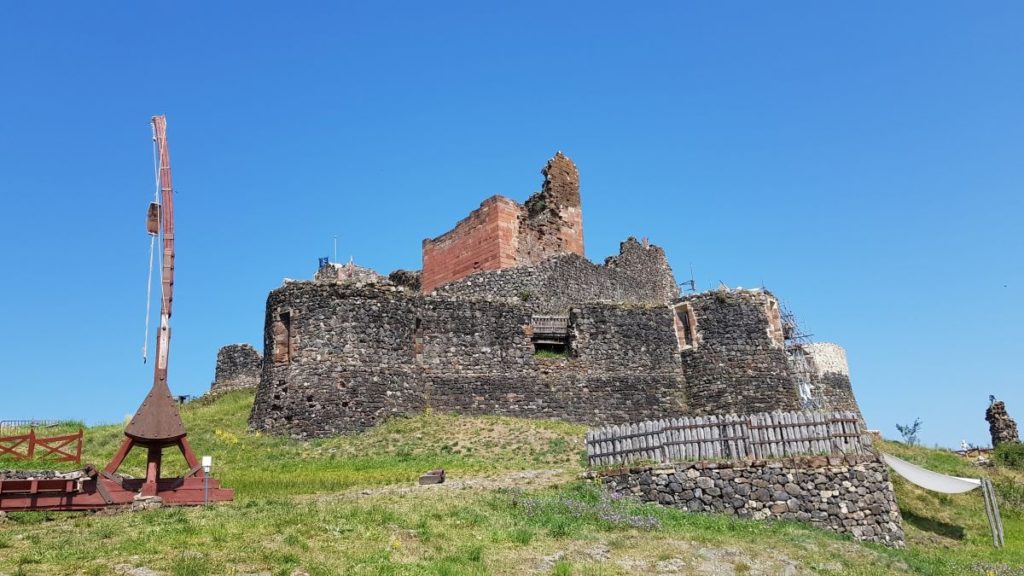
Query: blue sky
[(861, 160)]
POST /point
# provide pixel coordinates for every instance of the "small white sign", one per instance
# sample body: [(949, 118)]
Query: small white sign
[(207, 463)]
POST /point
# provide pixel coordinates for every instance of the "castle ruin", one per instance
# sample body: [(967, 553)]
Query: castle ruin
[(508, 317)]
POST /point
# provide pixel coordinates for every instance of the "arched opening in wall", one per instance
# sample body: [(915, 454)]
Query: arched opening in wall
[(550, 336)]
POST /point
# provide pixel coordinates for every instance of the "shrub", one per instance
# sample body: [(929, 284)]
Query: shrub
[(1011, 455), (909, 431)]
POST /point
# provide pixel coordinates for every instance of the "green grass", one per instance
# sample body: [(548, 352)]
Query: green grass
[(348, 505), (948, 533), (551, 354)]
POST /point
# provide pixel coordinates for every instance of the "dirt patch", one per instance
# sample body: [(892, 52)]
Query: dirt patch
[(517, 479)]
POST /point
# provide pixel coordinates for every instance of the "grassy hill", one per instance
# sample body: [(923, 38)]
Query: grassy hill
[(513, 505)]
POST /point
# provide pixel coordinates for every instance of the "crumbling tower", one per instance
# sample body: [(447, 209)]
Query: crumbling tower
[(1002, 428), (552, 220), (502, 233)]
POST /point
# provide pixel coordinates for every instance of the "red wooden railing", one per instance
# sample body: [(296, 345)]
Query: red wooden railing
[(66, 448)]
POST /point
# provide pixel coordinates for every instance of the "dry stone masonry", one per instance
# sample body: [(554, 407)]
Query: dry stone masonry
[(822, 376), (736, 357), (640, 274), (238, 366), (1002, 428), (508, 317), (343, 358), (846, 494)]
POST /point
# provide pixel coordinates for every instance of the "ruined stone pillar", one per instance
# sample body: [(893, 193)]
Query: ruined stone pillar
[(1002, 428)]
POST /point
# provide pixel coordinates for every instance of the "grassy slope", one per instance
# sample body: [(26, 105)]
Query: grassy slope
[(318, 506)]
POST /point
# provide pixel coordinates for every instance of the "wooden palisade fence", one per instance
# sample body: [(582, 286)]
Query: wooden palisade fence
[(754, 437)]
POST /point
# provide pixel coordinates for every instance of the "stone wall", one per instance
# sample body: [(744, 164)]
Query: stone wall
[(737, 361), (831, 377), (410, 279), (849, 495), (347, 273), (640, 274), (238, 366), (503, 234), (820, 369), (342, 358), (487, 239)]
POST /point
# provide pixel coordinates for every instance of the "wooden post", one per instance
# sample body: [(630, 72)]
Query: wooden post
[(995, 521)]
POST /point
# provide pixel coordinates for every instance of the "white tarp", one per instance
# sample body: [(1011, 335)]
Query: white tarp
[(931, 480)]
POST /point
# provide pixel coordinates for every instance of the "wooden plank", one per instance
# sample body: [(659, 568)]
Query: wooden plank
[(800, 432), (995, 508), (806, 432), (990, 513), (786, 431), (825, 444), (654, 439), (742, 446), (627, 441), (606, 446), (663, 439), (743, 432), (676, 451), (730, 431), (641, 440), (779, 432), (667, 436), (613, 433), (769, 436), (640, 443), (752, 443), (710, 433), (687, 435), (682, 436), (702, 451)]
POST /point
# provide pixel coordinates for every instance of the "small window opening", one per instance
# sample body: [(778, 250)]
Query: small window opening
[(686, 326), (550, 350), (417, 340), (282, 330), (550, 336)]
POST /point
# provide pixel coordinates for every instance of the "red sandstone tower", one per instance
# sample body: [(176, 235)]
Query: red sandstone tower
[(501, 233)]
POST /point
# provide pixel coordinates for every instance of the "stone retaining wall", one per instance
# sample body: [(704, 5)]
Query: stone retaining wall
[(845, 494)]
